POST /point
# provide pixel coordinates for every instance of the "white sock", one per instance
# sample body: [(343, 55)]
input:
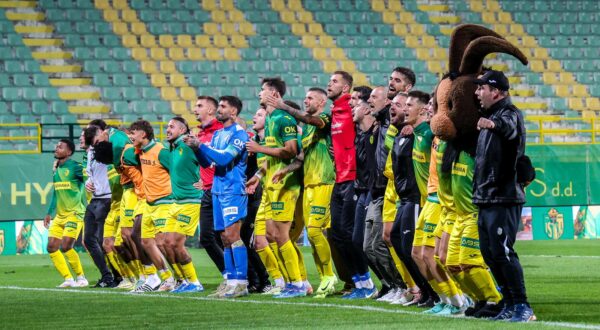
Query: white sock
[(279, 282), (297, 284), (367, 284), (306, 283), (153, 280), (456, 300)]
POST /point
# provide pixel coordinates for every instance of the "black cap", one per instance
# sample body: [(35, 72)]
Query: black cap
[(495, 79)]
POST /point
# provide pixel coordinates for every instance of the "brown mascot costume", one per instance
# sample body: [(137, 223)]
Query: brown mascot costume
[(455, 123)]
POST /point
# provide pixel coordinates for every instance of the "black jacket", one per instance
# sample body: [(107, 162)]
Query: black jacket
[(365, 159), (405, 180), (381, 154), (495, 177)]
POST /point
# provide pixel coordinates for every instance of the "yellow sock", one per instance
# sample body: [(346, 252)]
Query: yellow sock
[(290, 259), (178, 271), (61, 265), (139, 266), (126, 270), (322, 250), (270, 262), (467, 286), (73, 259), (280, 263), (410, 283), (453, 283), (438, 287), (301, 266), (112, 258), (165, 274), (149, 270), (483, 281), (189, 272), (133, 268)]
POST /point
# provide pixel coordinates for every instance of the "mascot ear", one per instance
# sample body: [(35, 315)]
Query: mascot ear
[(479, 48), (460, 39)]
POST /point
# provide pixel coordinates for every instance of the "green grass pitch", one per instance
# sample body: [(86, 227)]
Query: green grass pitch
[(562, 277)]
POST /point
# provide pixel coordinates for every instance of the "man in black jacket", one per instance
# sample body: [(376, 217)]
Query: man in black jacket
[(497, 193)]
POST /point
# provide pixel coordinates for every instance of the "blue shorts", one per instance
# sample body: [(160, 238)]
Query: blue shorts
[(228, 209)]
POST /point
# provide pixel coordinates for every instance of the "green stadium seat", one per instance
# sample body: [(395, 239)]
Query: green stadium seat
[(545, 91), (14, 40), (130, 93), (120, 54), (20, 108), (73, 40), (140, 79), (102, 28), (111, 93), (92, 67), (157, 29), (102, 53), (49, 119), (4, 80), (175, 28), (156, 4), (120, 79), (83, 53), (92, 40), (205, 67), (31, 66), (559, 104), (120, 107), (21, 80), (192, 28), (594, 90), (91, 14), (39, 107), (195, 80), (63, 27), (59, 107), (50, 93), (101, 80), (131, 66), (9, 119), (140, 107), (11, 94), (84, 27), (165, 16), (150, 93), (68, 119)]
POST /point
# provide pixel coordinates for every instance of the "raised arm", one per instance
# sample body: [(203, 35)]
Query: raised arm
[(304, 117)]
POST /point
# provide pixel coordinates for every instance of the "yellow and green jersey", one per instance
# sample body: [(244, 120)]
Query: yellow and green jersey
[(388, 170), (462, 184), (280, 127), (118, 139), (185, 171), (390, 136), (444, 191), (87, 196), (114, 179), (318, 164), (421, 155), (67, 196)]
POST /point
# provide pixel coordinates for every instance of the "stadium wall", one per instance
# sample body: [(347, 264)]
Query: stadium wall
[(562, 203)]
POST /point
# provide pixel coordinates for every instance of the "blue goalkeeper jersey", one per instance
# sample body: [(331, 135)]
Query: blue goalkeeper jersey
[(227, 153)]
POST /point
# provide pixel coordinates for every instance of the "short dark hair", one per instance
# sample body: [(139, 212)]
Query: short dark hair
[(275, 82), (364, 91), (408, 73), (100, 123), (89, 133), (318, 90), (420, 95), (183, 121), (292, 104), (233, 101), (143, 125), (69, 144), (210, 99), (346, 76)]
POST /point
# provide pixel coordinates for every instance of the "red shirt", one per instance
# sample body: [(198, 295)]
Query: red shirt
[(342, 137), (205, 136)]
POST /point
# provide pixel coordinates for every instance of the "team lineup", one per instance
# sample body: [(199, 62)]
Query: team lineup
[(378, 183)]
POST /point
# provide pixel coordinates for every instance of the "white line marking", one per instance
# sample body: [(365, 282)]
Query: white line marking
[(558, 256), (268, 302)]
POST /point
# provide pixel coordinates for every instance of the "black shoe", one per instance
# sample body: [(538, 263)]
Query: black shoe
[(426, 302), (107, 283), (253, 289), (471, 311), (384, 290), (489, 311)]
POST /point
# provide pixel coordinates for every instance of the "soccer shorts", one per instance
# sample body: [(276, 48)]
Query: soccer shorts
[(112, 219), (154, 219), (262, 215), (297, 227), (69, 225), (127, 209), (426, 224), (283, 203), (228, 209), (390, 202), (447, 219), (183, 219), (316, 200), (463, 247)]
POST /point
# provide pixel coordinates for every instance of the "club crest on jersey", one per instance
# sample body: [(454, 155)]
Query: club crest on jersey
[(67, 172), (233, 210)]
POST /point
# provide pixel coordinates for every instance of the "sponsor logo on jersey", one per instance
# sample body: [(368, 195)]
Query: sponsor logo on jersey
[(459, 169), (232, 210), (183, 218), (62, 185), (419, 156), (277, 206)]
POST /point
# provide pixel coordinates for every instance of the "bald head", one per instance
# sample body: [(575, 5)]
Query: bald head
[(378, 99)]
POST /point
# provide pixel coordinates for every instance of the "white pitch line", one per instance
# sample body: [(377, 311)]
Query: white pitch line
[(286, 303), (558, 256)]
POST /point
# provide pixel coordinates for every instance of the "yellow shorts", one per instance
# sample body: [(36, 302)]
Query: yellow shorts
[(316, 210), (262, 215), (297, 227), (118, 236), (66, 226), (390, 202), (283, 203), (463, 247), (426, 224), (154, 219), (447, 219), (112, 219), (183, 219), (127, 209)]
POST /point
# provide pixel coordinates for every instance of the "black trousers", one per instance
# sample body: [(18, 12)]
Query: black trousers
[(358, 236), (209, 239), (95, 215), (343, 207), (257, 273), (402, 236), (498, 226)]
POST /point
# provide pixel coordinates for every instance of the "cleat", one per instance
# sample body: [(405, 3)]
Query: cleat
[(489, 310), (389, 295), (401, 298), (273, 290), (81, 282), (189, 288), (125, 284), (427, 303), (384, 291), (416, 296), (309, 288), (451, 310), (167, 285), (506, 314), (353, 294), (370, 293), (522, 313), (105, 284), (436, 308), (137, 285), (179, 283), (68, 283), (327, 286), (220, 290), (235, 291), (292, 291)]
